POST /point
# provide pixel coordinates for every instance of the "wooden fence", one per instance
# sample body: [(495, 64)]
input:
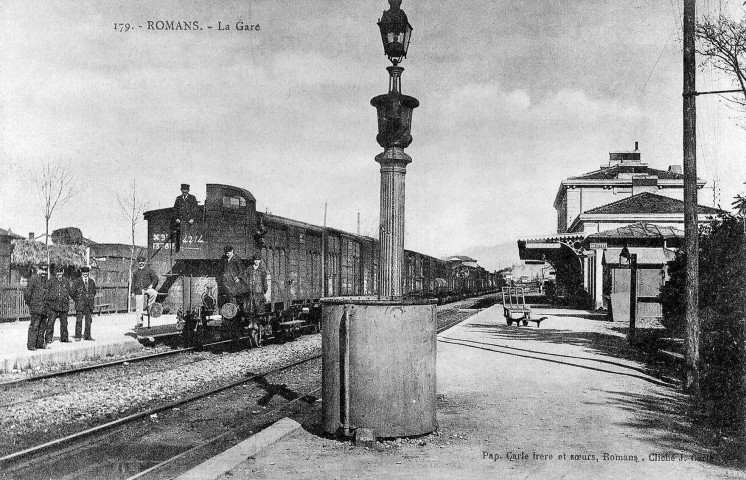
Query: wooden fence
[(13, 308)]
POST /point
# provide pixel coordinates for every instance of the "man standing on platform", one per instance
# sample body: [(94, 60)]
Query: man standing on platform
[(58, 304), (35, 296), (144, 282), (84, 293), (185, 210)]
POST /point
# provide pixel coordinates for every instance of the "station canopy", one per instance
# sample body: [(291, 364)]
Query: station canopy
[(549, 248)]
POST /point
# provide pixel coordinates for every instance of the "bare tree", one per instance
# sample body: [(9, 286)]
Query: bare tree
[(132, 205), (55, 185), (722, 41)]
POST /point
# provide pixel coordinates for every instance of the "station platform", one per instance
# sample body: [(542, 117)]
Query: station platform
[(113, 335), (567, 400)]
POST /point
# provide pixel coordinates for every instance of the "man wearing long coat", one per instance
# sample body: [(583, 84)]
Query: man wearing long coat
[(233, 273), (256, 276), (185, 212), (35, 296), (84, 294), (144, 281), (58, 304)]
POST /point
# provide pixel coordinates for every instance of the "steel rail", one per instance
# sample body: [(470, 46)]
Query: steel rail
[(221, 436), (131, 418), (136, 416), (113, 363), (108, 364), (277, 409)]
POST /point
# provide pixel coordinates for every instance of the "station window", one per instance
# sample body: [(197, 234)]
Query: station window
[(234, 202)]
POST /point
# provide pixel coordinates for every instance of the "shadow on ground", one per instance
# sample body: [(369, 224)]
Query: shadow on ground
[(665, 419), (612, 343), (665, 416)]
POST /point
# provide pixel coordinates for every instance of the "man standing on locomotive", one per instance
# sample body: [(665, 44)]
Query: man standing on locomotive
[(233, 272), (144, 281), (258, 287), (257, 279), (235, 289), (185, 210)]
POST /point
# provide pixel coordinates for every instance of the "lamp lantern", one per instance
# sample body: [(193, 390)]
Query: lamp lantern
[(396, 32)]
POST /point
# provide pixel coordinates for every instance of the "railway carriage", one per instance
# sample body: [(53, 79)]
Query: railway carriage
[(305, 263)]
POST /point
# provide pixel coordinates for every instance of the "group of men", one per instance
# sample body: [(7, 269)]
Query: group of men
[(245, 287), (49, 299)]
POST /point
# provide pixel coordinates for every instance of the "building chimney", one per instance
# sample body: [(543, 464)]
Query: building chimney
[(675, 169), (30, 235), (635, 146)]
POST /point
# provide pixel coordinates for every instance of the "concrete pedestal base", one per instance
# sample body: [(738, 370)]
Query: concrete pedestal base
[(379, 366)]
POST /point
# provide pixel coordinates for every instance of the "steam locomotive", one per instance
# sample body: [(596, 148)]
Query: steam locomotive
[(306, 262)]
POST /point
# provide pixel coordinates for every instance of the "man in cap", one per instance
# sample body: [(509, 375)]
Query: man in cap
[(256, 276), (185, 211), (58, 304), (35, 297), (84, 293), (258, 287), (233, 273), (144, 282)]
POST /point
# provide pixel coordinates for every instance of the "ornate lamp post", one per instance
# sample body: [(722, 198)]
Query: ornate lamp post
[(379, 376), (394, 125)]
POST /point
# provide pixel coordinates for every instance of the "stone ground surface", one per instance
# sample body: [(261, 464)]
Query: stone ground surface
[(525, 403)]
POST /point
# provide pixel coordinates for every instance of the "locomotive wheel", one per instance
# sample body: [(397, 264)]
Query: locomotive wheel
[(229, 310), (255, 337)]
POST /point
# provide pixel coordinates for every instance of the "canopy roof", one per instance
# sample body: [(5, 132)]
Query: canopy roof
[(639, 230)]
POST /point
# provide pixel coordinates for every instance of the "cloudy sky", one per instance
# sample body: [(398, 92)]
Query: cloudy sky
[(515, 96)]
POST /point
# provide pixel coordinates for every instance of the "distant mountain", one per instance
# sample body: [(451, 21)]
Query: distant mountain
[(495, 257)]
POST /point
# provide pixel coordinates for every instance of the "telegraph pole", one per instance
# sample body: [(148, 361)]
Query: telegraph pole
[(691, 234)]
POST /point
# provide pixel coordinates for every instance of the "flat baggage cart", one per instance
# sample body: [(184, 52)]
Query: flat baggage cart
[(515, 308)]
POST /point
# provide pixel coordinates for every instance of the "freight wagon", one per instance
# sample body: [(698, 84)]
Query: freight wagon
[(305, 263)]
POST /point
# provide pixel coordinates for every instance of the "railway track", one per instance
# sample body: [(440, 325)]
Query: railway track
[(83, 444), (114, 363), (21, 462), (73, 371)]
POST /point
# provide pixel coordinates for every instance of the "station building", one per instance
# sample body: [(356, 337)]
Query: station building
[(625, 203)]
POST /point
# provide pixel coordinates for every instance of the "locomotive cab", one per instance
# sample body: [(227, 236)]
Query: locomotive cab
[(187, 258)]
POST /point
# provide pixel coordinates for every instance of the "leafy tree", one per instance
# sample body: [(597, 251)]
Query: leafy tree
[(740, 205), (722, 310)]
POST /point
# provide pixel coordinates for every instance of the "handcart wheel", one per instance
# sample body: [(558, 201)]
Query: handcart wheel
[(155, 310)]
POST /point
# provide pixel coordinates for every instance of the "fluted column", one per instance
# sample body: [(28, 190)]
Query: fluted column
[(391, 240)]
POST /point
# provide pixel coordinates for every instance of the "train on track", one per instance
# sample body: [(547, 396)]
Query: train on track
[(305, 263)]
